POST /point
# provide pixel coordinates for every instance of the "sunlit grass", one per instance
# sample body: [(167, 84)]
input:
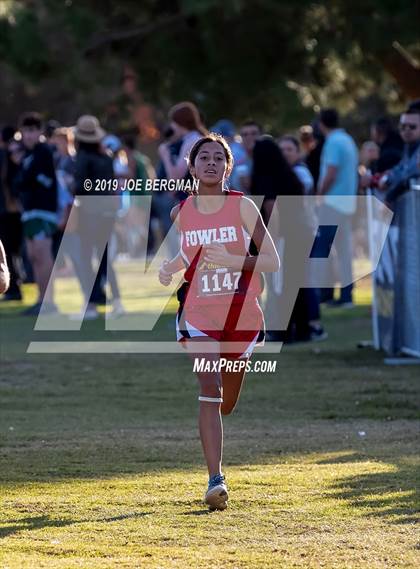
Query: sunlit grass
[(101, 464)]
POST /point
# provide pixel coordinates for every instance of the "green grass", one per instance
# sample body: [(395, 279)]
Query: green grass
[(101, 464)]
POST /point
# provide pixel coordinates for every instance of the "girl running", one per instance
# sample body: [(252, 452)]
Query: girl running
[(219, 320)]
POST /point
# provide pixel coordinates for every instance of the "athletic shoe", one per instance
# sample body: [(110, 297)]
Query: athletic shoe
[(217, 494), (117, 310), (318, 334), (90, 314)]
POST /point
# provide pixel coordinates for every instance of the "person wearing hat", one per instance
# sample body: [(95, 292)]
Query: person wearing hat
[(95, 221)]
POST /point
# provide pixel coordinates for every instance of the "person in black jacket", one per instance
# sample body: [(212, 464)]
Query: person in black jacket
[(38, 191), (390, 144), (271, 177)]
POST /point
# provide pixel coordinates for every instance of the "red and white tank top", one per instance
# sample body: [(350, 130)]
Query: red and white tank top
[(210, 283)]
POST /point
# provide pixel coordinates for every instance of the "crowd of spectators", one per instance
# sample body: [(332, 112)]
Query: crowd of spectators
[(43, 167)]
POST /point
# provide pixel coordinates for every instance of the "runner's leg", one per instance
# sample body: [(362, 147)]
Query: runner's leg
[(210, 420), (232, 385), (42, 263)]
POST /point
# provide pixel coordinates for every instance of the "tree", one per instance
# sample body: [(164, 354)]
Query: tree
[(274, 60)]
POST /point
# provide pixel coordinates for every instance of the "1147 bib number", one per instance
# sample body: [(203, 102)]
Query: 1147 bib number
[(218, 281)]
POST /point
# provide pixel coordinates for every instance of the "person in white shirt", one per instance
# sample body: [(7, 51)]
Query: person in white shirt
[(338, 184)]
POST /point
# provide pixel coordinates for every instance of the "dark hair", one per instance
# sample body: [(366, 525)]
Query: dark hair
[(251, 123), (329, 118), (271, 173), (318, 135), (292, 139), (413, 107), (212, 137), (412, 110), (31, 119)]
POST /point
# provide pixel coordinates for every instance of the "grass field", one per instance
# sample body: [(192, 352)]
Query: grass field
[(101, 463)]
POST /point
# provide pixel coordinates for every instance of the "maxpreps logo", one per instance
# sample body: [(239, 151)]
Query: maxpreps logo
[(203, 365)]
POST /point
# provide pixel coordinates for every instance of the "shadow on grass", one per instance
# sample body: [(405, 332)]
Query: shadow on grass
[(370, 491), (92, 397), (197, 513), (40, 522)]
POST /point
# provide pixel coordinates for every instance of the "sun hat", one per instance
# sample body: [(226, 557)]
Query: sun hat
[(88, 129)]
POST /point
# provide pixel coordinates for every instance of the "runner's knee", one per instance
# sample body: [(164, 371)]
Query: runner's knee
[(210, 386)]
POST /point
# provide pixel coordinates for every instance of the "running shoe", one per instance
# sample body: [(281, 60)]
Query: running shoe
[(217, 494), (89, 314)]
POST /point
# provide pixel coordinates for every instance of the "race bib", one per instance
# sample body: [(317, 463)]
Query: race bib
[(219, 281)]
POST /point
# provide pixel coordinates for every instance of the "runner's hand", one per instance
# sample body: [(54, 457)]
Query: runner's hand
[(217, 253), (165, 278)]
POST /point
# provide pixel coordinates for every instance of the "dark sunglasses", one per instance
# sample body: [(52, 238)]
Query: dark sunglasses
[(410, 126)]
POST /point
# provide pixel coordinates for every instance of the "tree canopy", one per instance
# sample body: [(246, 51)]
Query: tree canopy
[(274, 60)]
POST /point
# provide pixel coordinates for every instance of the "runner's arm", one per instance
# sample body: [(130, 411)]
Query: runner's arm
[(267, 259), (175, 265), (168, 268)]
